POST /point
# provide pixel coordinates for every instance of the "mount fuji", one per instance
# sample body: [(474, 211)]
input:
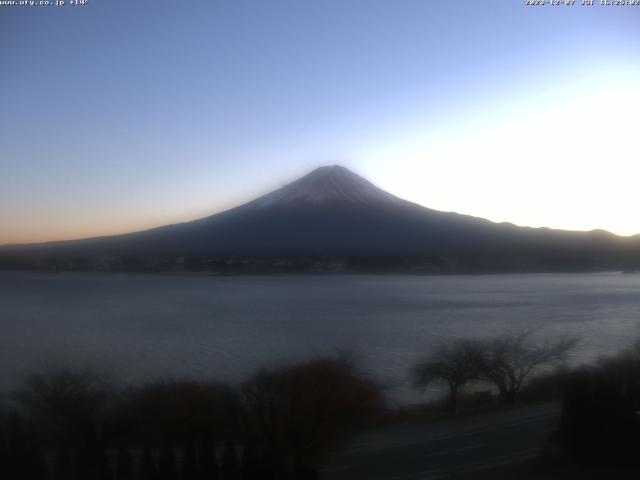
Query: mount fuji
[(333, 216)]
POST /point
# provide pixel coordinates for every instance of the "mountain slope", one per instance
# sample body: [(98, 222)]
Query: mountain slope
[(334, 214)]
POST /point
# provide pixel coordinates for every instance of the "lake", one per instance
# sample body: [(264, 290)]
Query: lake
[(145, 326)]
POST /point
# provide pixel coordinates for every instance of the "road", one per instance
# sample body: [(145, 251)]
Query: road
[(463, 448)]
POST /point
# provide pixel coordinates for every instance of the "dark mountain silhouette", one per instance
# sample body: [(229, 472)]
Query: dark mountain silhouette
[(333, 215)]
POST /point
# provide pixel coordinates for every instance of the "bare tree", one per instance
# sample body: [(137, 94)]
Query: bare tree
[(69, 403), (511, 359), (70, 407), (454, 364), (298, 413)]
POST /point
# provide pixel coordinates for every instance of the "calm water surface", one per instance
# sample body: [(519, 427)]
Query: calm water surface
[(225, 327)]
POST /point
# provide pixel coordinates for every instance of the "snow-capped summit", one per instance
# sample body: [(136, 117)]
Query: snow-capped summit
[(328, 185)]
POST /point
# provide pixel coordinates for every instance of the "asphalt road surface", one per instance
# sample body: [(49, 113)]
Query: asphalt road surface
[(471, 447)]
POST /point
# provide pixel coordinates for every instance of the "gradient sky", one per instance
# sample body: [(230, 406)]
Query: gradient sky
[(122, 115)]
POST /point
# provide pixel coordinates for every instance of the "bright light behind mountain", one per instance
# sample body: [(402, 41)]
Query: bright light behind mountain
[(564, 160)]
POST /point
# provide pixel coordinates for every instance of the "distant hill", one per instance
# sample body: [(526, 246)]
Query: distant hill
[(335, 220)]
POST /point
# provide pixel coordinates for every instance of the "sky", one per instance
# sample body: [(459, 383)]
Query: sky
[(121, 115)]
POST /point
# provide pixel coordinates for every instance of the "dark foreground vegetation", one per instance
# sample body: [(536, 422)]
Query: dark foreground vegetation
[(77, 425), (600, 422)]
